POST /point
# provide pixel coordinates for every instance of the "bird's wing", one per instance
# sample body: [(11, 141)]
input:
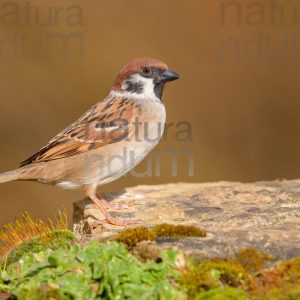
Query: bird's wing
[(105, 123)]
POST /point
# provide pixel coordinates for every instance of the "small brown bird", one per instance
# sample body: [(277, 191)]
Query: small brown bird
[(110, 139)]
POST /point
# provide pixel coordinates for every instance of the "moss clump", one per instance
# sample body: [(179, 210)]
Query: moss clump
[(287, 293), (196, 280), (224, 293), (252, 260), (27, 234), (131, 237), (56, 239), (227, 272), (214, 273), (279, 282), (285, 274), (290, 270), (177, 231)]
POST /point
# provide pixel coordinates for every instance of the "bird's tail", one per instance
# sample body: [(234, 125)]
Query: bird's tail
[(10, 176)]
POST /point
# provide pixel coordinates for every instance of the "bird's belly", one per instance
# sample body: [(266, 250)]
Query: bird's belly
[(123, 162), (99, 167), (117, 160)]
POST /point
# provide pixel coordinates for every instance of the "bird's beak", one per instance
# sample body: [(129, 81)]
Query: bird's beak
[(168, 75)]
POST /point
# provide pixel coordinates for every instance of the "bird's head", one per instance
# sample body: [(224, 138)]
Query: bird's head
[(144, 77)]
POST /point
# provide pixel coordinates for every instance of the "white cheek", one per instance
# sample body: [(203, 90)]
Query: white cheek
[(148, 85)]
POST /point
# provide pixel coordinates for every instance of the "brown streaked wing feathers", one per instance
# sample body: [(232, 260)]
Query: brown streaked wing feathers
[(99, 126)]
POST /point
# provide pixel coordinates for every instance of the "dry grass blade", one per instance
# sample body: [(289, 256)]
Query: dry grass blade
[(26, 228)]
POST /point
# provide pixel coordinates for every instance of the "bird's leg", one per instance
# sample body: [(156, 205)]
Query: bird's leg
[(123, 205), (101, 203), (109, 206)]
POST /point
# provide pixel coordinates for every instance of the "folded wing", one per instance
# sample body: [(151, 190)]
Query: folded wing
[(105, 123)]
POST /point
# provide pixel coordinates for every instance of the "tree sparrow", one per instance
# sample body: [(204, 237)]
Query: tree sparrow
[(110, 139)]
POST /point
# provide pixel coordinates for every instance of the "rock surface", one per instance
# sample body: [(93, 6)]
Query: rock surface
[(261, 215)]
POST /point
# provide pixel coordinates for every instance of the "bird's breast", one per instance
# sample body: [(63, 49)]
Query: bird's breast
[(149, 121)]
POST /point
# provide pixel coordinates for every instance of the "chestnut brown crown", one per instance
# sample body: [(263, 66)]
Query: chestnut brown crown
[(138, 65)]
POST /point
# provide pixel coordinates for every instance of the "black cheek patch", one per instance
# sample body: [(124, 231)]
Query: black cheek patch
[(134, 87)]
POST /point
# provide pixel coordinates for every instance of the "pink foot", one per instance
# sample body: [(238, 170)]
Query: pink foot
[(124, 205)]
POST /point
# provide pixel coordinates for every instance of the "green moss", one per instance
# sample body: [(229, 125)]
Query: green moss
[(214, 273), (131, 237), (224, 293), (53, 240), (32, 235), (196, 280), (252, 260), (177, 231), (288, 293), (228, 272)]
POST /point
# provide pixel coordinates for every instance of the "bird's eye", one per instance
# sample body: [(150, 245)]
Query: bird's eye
[(146, 71)]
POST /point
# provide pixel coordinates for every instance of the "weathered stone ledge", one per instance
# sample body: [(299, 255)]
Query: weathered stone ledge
[(262, 215)]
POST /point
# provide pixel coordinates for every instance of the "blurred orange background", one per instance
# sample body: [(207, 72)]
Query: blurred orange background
[(239, 63)]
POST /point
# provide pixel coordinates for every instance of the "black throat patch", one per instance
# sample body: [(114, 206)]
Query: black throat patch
[(158, 90)]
